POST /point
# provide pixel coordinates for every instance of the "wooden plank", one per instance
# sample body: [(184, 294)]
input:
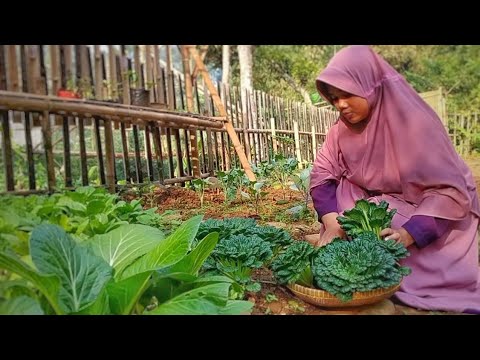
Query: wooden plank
[(148, 153), (195, 164), (223, 92), (112, 74), (42, 79), (98, 142), (48, 147), (230, 160), (7, 152), (253, 147), (3, 69), (109, 155), (178, 143), (33, 69), (55, 63), (138, 161), (67, 165), (157, 144), (83, 155), (68, 65), (274, 135), (171, 90), (209, 150), (159, 83), (211, 112), (29, 150), (150, 84), (13, 82), (126, 160), (137, 64), (200, 133), (244, 106), (124, 77), (185, 131), (99, 88), (170, 153)]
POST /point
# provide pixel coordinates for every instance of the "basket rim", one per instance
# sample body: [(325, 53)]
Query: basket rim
[(324, 298)]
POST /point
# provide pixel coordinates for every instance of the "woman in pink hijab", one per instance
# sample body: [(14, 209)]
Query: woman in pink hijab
[(388, 144)]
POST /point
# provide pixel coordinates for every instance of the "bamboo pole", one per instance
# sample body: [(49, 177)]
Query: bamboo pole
[(274, 135), (54, 58), (3, 69), (98, 74), (228, 125), (89, 108), (29, 149), (7, 152), (98, 143), (189, 97), (12, 76), (47, 144), (112, 67), (83, 156)]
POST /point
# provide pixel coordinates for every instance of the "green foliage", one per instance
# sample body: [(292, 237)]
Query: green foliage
[(82, 275), (226, 227), (301, 183), (344, 267), (294, 266), (199, 185), (254, 194), (236, 256), (70, 279), (366, 216)]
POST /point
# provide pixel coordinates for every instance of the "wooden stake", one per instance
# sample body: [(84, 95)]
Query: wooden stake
[(228, 125)]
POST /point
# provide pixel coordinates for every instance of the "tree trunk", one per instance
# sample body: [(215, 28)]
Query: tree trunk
[(225, 64), (246, 67), (246, 86)]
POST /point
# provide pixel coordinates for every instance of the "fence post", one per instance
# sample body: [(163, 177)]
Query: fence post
[(297, 143), (274, 139), (314, 142)]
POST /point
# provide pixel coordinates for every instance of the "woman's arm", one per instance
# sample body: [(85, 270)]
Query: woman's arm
[(420, 229), (325, 203)]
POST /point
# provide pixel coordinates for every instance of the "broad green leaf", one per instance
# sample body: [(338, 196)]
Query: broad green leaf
[(95, 207), (82, 274), (194, 260), (22, 305), (123, 295), (120, 247), (237, 307), (101, 306), (72, 205), (11, 218), (168, 252), (204, 300), (48, 285)]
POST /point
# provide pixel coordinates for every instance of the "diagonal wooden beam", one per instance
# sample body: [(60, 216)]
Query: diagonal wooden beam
[(221, 109)]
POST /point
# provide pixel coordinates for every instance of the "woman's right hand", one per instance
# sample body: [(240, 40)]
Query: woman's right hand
[(332, 230), (330, 234)]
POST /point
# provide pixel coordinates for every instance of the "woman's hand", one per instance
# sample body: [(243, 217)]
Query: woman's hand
[(330, 234), (332, 230), (399, 235)]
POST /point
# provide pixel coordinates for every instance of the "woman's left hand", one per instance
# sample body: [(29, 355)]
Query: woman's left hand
[(399, 235)]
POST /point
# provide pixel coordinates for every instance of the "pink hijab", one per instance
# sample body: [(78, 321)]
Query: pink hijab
[(404, 150)]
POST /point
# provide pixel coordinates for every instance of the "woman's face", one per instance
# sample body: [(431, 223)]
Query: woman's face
[(353, 109)]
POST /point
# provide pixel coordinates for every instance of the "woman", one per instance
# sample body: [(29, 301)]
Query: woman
[(388, 144)]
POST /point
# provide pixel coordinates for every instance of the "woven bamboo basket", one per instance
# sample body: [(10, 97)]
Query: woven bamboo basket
[(325, 299)]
